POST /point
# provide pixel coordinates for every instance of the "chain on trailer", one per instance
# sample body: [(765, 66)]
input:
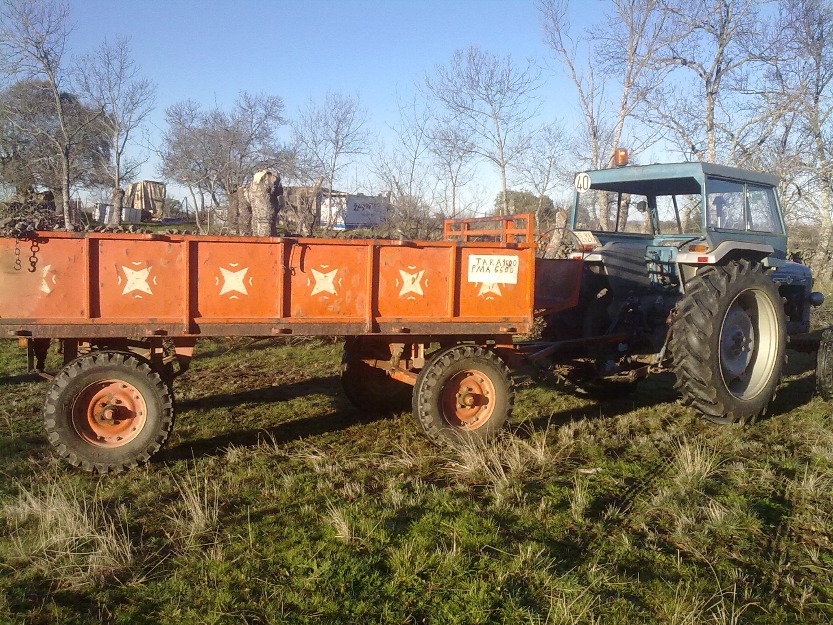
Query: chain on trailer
[(34, 248), (17, 264)]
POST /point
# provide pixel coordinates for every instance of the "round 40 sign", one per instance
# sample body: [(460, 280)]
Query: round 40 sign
[(582, 182)]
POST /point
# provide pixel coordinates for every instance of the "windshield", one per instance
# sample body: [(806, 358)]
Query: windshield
[(614, 211)]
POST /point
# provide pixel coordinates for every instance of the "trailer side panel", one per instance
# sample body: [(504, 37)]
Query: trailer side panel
[(109, 285)]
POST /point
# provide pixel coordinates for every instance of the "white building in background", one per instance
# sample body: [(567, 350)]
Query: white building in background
[(104, 214), (345, 211)]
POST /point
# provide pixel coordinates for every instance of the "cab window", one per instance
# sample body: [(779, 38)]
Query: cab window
[(739, 206), (725, 205), (762, 215)]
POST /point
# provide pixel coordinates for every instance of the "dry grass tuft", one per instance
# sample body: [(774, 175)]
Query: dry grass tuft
[(320, 462), (579, 499), (195, 519), (67, 538), (237, 454), (570, 605), (511, 456), (694, 463), (340, 522), (813, 485), (684, 607), (479, 464)]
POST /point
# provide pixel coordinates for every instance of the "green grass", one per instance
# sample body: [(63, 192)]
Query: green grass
[(276, 501)]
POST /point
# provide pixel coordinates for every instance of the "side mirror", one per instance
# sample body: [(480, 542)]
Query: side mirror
[(642, 206)]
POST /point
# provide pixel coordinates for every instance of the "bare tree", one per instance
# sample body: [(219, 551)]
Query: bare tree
[(404, 169), (33, 41), (325, 136), (218, 151), (111, 80), (802, 84), (617, 77), (542, 165), (491, 99), (453, 153), (187, 154), (715, 46)]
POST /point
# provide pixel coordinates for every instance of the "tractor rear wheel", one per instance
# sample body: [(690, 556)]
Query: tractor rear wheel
[(728, 341), (464, 394), (108, 411)]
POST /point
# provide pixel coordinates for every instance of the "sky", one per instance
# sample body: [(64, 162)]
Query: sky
[(210, 50)]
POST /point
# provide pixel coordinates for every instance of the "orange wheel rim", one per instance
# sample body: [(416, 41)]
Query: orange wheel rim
[(109, 413), (468, 400)]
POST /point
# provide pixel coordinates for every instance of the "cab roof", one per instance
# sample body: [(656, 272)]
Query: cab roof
[(671, 178)]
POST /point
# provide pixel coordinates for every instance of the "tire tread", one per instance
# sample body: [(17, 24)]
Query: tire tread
[(104, 359)]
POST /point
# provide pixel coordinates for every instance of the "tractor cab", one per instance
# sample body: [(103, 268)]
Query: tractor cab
[(651, 226)]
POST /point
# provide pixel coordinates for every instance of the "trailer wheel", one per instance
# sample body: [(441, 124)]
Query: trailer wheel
[(369, 388), (728, 341), (464, 394), (108, 411), (824, 366)]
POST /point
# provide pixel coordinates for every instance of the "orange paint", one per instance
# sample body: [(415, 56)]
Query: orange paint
[(101, 284)]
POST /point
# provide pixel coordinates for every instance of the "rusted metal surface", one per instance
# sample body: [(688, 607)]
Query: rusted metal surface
[(557, 283), (98, 285)]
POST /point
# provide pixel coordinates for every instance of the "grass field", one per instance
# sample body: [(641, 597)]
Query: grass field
[(276, 501)]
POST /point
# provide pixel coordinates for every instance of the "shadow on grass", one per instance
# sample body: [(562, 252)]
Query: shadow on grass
[(20, 379), (266, 395), (229, 346), (798, 388), (655, 390), (295, 429)]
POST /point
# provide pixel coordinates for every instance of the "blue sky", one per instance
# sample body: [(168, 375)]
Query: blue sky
[(211, 50)]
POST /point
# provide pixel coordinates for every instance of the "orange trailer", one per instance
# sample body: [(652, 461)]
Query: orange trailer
[(128, 308)]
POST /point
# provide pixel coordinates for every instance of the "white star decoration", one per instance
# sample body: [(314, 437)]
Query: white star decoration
[(411, 282), (324, 282), (487, 287), (233, 281), (136, 281), (44, 284)]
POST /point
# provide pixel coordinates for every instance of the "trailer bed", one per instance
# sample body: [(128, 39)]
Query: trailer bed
[(98, 285)]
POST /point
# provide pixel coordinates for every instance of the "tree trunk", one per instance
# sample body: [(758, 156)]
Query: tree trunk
[(69, 221), (555, 246), (624, 209), (196, 210), (118, 205), (263, 196), (505, 209), (233, 211), (244, 212)]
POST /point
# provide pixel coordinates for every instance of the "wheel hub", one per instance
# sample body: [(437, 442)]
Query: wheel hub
[(749, 344), (109, 413), (467, 400), (737, 343)]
